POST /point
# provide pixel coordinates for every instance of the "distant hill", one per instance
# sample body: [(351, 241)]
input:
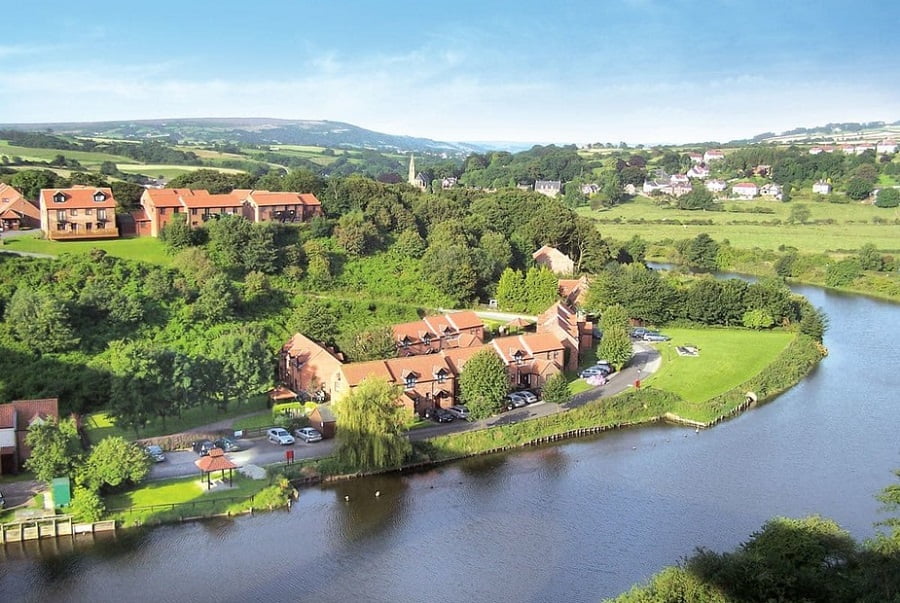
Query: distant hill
[(253, 130), (833, 132)]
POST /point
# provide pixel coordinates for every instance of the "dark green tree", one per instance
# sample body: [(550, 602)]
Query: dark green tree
[(556, 390), (615, 347), (244, 363), (55, 448), (113, 462), (483, 383), (40, 320), (888, 197)]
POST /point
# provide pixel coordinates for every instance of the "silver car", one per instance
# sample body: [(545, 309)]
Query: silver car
[(459, 411), (530, 397), (277, 435), (308, 434)]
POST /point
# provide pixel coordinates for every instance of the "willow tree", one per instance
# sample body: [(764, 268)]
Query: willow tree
[(370, 426)]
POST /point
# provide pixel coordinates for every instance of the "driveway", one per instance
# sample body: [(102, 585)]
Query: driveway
[(259, 451)]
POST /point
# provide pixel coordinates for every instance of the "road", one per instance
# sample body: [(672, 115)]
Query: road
[(259, 451)]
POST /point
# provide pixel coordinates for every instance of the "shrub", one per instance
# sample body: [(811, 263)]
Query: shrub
[(86, 505)]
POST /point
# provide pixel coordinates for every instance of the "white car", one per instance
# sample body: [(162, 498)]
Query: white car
[(277, 435), (530, 397)]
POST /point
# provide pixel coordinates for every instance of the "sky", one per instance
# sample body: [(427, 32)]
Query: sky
[(638, 71)]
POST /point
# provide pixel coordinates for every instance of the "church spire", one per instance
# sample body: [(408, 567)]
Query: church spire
[(412, 169)]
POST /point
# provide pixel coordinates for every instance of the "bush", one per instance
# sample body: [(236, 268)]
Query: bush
[(556, 390), (86, 505)]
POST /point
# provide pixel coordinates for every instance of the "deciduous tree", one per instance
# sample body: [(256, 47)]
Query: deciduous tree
[(615, 346), (483, 383), (112, 462), (55, 448), (370, 426)]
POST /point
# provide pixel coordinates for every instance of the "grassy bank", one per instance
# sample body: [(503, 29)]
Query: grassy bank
[(172, 500)]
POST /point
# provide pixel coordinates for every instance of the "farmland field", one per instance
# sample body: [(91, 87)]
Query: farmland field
[(169, 171), (853, 225), (86, 158)]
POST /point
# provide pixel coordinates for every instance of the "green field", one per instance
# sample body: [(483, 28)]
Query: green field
[(169, 171), (146, 249), (728, 357), (853, 225), (86, 158)]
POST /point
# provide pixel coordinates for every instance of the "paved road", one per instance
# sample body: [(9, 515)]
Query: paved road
[(259, 451)]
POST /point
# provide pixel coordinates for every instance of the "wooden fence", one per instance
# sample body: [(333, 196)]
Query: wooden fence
[(50, 527)]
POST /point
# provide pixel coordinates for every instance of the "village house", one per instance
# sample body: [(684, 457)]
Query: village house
[(713, 155), (847, 149), (530, 359), (695, 157), (426, 381), (161, 206), (861, 148), (762, 170), (679, 179), (822, 149), (592, 188), (448, 182), (698, 171), (553, 259), (821, 187), (16, 211), (663, 186), (574, 333), (681, 188), (550, 188), (772, 190), (305, 366), (441, 332), (266, 206), (80, 212), (15, 419), (745, 190), (716, 186), (573, 290)]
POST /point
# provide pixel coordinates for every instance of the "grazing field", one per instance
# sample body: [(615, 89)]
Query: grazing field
[(86, 158), (146, 249), (727, 358), (170, 171), (853, 225)]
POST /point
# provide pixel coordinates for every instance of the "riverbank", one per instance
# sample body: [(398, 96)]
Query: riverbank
[(630, 408)]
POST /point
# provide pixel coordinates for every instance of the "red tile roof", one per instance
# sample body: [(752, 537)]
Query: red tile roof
[(354, 373), (214, 461), (8, 193), (169, 197), (27, 410), (464, 320), (7, 416), (302, 346), (425, 367), (266, 198), (77, 197)]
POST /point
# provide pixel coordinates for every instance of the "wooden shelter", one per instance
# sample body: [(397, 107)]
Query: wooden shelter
[(324, 420), (215, 461), (516, 325)]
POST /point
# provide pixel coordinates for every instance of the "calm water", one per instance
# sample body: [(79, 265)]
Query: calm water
[(573, 522)]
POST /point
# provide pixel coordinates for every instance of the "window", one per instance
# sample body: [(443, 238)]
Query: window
[(88, 226), (441, 376), (101, 215), (427, 339), (88, 211), (193, 211), (410, 381), (162, 211), (405, 342), (73, 212), (59, 198), (99, 197), (60, 215), (518, 357)]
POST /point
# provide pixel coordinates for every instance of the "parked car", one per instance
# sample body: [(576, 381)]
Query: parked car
[(654, 336), (227, 444), (441, 415), (592, 371), (638, 332), (514, 400), (530, 397), (2, 501), (459, 411), (308, 434), (604, 367), (155, 453), (202, 447), (277, 435)]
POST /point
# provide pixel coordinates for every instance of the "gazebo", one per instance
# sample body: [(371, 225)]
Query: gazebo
[(280, 393), (517, 324), (215, 461)]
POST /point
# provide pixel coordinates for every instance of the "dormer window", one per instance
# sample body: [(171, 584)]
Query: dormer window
[(518, 357), (410, 381), (59, 198), (441, 376), (99, 196), (427, 339)]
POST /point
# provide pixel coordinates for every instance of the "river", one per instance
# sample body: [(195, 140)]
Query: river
[(576, 521)]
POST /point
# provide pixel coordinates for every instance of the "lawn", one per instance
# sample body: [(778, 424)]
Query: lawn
[(189, 494), (728, 357), (853, 225), (146, 249), (100, 425)]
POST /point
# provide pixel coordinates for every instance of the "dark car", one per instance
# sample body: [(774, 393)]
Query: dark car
[(440, 415), (202, 447), (2, 501), (155, 453), (227, 444)]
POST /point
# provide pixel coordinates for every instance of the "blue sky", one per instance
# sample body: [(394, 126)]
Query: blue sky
[(585, 71)]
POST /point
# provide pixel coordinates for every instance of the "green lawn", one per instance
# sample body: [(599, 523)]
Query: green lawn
[(728, 357), (168, 170), (100, 425), (853, 225), (146, 249), (177, 492)]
